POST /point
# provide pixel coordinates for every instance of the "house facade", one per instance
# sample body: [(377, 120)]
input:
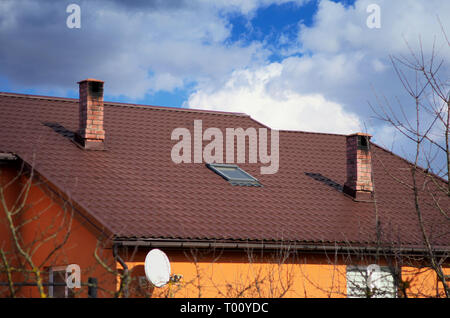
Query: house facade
[(239, 209)]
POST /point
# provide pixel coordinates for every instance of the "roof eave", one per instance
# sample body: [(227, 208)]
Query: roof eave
[(314, 247)]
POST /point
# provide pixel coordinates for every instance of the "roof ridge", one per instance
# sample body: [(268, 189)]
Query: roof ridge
[(169, 108), (409, 162), (309, 132), (119, 104), (20, 95)]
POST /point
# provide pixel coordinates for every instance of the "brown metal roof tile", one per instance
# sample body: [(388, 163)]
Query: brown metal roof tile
[(138, 192)]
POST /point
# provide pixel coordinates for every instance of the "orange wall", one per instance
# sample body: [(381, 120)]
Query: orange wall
[(230, 274), (53, 219), (423, 282)]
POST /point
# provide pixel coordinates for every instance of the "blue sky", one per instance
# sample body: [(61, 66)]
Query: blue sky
[(311, 65)]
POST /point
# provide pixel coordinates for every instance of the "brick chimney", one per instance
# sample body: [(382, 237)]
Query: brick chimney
[(91, 135), (359, 167)]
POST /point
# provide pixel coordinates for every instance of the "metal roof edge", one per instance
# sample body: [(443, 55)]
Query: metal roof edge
[(265, 245), (131, 105)]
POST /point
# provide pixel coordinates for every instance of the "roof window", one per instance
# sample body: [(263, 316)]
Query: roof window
[(234, 174)]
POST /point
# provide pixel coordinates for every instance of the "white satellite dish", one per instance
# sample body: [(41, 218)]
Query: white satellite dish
[(157, 267)]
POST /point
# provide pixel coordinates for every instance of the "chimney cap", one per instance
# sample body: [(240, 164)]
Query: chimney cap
[(360, 134), (90, 80)]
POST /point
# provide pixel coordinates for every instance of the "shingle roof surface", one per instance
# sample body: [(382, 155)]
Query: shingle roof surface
[(136, 191)]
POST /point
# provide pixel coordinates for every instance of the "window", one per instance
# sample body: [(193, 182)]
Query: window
[(234, 174), (370, 281), (57, 283)]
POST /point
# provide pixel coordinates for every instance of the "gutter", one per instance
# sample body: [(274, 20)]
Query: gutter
[(180, 244)]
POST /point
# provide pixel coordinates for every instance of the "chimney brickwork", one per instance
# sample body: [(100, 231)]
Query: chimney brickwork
[(91, 134), (359, 167)]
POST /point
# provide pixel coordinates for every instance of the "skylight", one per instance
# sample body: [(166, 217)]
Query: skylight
[(234, 174)]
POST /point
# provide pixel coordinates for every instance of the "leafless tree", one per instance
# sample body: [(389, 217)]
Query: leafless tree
[(36, 223), (17, 260), (428, 131)]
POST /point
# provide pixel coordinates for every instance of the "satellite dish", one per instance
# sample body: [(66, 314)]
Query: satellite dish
[(157, 267)]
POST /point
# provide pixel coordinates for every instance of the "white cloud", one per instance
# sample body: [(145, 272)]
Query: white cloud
[(249, 91), (347, 61), (340, 29), (342, 65)]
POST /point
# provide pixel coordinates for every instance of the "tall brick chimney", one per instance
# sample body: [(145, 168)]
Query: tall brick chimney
[(91, 134), (359, 167)]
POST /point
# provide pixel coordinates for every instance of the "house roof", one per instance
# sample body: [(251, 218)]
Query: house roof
[(137, 192)]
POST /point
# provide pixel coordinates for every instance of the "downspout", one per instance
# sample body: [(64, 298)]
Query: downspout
[(124, 281)]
